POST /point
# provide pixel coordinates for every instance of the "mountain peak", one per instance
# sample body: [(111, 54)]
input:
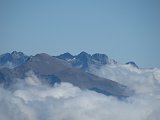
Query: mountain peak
[(84, 60), (102, 58), (17, 54), (133, 64), (65, 56), (13, 59), (83, 54), (100, 55), (42, 55)]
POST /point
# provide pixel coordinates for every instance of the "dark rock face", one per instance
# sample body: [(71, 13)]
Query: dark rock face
[(132, 63), (65, 56), (50, 79), (84, 60), (102, 58), (57, 70), (11, 60)]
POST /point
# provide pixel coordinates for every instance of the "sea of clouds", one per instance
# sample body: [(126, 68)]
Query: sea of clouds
[(29, 99)]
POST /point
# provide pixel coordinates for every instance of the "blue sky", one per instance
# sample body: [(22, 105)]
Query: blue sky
[(123, 29)]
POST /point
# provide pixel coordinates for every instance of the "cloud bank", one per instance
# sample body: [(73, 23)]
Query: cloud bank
[(29, 99), (143, 81)]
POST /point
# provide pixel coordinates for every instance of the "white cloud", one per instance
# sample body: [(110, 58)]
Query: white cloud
[(143, 81), (32, 100)]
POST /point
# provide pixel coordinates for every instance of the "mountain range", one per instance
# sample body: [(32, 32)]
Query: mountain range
[(62, 68), (85, 60), (82, 61)]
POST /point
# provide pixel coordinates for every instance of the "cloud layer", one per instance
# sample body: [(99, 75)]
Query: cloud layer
[(29, 99), (141, 80)]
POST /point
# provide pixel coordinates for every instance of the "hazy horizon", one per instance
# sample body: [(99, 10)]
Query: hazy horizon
[(124, 30)]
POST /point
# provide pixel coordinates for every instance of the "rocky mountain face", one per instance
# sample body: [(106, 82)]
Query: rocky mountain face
[(84, 60), (132, 64), (60, 69), (11, 60)]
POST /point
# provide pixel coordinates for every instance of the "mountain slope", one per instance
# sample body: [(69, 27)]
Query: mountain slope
[(45, 66)]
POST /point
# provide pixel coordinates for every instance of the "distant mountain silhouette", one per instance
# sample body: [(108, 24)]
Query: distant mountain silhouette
[(82, 61)]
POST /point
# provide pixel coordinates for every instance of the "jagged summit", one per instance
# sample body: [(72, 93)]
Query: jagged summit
[(17, 54), (133, 64), (11, 60), (84, 60), (83, 53)]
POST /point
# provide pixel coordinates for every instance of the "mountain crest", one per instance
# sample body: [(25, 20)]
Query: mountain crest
[(15, 53), (102, 58), (66, 56), (133, 64), (84, 60), (11, 60)]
